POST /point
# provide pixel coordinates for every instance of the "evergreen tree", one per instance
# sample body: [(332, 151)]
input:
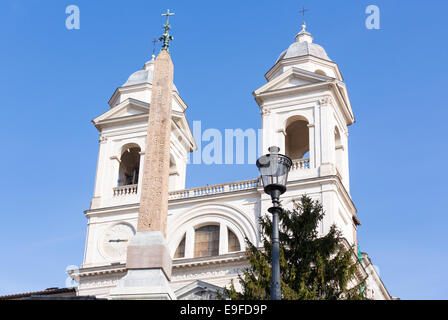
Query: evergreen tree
[(312, 267)]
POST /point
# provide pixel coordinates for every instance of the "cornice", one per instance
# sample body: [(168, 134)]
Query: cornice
[(100, 270), (292, 72), (131, 88), (205, 261), (178, 264), (180, 100), (136, 117), (328, 179), (381, 283), (333, 85), (142, 86), (289, 90), (295, 60), (256, 191), (361, 272), (144, 119), (113, 209), (140, 129)]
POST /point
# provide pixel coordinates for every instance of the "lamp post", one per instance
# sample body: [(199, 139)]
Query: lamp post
[(274, 168)]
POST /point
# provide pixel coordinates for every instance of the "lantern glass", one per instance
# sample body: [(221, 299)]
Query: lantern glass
[(274, 169)]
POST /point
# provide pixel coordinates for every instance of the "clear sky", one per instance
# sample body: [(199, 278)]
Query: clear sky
[(54, 81)]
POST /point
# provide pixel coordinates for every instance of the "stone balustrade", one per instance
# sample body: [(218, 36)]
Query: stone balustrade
[(215, 189), (298, 164), (125, 190)]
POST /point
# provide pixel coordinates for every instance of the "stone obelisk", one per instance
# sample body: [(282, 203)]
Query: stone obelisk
[(148, 260), (154, 199)]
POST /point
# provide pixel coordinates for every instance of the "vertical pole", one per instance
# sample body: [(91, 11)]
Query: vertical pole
[(275, 278)]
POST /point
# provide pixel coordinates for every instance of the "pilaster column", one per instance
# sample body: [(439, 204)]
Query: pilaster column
[(327, 148), (189, 243), (223, 239)]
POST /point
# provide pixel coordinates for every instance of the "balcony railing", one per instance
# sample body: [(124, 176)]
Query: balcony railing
[(298, 164), (125, 190), (215, 189)]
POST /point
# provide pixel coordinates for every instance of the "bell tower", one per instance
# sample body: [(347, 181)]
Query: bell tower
[(122, 151), (306, 111), (122, 141)]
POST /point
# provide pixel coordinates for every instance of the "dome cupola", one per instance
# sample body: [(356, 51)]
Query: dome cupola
[(142, 76), (304, 46)]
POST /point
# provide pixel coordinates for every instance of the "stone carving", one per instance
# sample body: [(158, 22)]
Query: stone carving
[(96, 282), (265, 112), (154, 197), (202, 273), (326, 100), (200, 295)]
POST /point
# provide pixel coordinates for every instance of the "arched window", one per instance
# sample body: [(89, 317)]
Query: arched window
[(318, 71), (129, 166), (180, 251), (206, 241), (233, 242), (297, 138)]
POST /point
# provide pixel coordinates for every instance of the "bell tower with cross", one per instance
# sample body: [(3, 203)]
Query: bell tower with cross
[(306, 111)]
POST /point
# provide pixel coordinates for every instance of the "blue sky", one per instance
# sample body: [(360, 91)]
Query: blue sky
[(54, 81)]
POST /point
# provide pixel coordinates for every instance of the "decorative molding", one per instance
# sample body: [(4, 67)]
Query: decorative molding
[(115, 158), (96, 283), (297, 60), (215, 273), (208, 272), (326, 100), (282, 131), (195, 262), (265, 111), (96, 271)]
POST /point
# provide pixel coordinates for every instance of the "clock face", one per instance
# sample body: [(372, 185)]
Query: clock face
[(116, 239)]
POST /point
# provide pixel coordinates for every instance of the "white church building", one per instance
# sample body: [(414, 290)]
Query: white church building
[(305, 110)]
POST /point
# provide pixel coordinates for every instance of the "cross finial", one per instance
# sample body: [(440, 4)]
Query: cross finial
[(303, 16), (154, 45), (168, 14), (166, 38)]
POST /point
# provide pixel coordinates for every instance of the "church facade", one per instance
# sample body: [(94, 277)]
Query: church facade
[(305, 110)]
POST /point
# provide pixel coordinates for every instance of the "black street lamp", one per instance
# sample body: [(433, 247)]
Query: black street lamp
[(274, 168)]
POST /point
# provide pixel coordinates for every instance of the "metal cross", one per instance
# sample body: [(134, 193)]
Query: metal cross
[(166, 38), (303, 12), (168, 14), (154, 45)]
